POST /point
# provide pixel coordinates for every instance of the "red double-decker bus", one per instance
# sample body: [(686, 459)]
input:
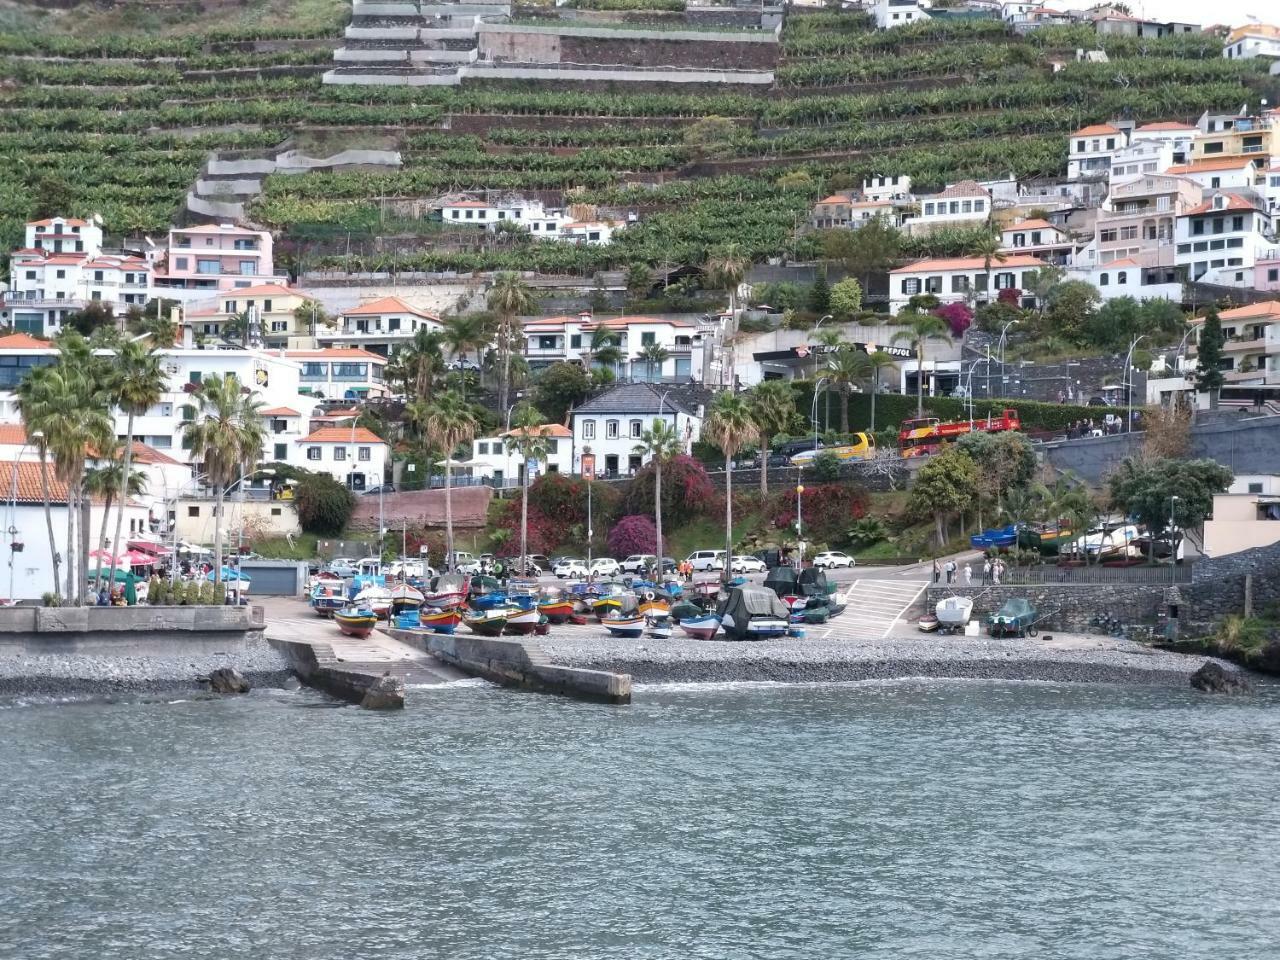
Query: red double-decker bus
[(928, 434)]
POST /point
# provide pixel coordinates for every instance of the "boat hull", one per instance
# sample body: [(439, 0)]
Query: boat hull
[(630, 627), (443, 621), (486, 625), (355, 625), (558, 611), (703, 628), (522, 623)]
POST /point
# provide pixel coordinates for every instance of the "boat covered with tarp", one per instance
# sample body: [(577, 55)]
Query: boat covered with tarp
[(753, 613)]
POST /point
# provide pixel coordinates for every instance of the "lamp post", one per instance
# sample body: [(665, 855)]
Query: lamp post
[(36, 435), (799, 520), (1004, 331), (968, 390), (1174, 498), (813, 412), (1128, 376), (590, 532), (266, 472)]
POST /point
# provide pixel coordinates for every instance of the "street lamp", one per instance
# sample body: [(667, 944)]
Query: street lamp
[(813, 412), (968, 390), (1128, 375), (1174, 498), (36, 435), (1003, 342)]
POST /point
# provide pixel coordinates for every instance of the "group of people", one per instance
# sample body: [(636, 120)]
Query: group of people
[(1112, 423), (993, 569)]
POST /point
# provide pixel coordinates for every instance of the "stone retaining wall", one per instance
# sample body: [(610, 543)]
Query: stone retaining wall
[(1068, 607), (128, 631), (720, 52)]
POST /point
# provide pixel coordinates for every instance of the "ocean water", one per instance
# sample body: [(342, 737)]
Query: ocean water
[(896, 820)]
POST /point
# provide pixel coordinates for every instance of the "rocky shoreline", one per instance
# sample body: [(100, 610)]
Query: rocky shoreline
[(812, 661), (178, 670)]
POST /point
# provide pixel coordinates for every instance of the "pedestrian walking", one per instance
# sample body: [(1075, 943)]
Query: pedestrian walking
[(937, 571), (968, 575), (951, 571), (997, 568), (986, 570)]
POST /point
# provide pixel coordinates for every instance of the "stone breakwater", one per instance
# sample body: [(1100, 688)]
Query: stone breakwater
[(1090, 660), (159, 670)]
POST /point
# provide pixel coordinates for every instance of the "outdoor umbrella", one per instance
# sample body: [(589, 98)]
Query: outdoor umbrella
[(138, 558), (122, 575), (229, 574)]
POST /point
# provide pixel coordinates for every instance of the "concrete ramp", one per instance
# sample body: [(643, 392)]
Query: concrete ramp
[(875, 606)]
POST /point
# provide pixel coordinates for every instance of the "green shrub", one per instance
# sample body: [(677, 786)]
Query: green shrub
[(324, 505), (826, 467)]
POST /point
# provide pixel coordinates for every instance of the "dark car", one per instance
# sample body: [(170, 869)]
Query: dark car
[(792, 447), (1099, 402), (381, 488)]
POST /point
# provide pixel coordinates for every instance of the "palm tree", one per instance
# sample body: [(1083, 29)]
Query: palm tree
[(419, 362), (878, 360), (659, 443), (226, 437), (729, 426), (139, 382), (773, 407), (988, 248), (33, 406), (105, 483), (464, 334), (447, 423), (509, 298), (528, 437), (603, 349), (725, 270), (654, 356), (846, 368), (922, 328)]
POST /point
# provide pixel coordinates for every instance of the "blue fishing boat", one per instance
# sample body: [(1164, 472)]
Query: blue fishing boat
[(997, 538), (701, 628)]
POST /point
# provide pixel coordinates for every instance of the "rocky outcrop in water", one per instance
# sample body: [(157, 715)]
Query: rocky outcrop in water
[(1215, 678), (385, 693), (228, 680)]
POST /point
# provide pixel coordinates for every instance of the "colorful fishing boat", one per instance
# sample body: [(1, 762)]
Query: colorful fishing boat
[(356, 621), (659, 627), (522, 622), (701, 628), (620, 626), (556, 607), (327, 597), (404, 597), (1047, 538), (446, 591), (487, 623), (655, 603), (376, 598), (441, 621), (608, 600)]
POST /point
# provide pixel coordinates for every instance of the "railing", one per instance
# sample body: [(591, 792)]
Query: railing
[(1051, 574)]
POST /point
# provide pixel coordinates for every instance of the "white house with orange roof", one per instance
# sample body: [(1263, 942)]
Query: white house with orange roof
[(340, 373), (1252, 40), (550, 340), (848, 211), (1039, 238), (20, 353), (210, 259), (1129, 278), (1091, 149), (62, 269), (1221, 239), (378, 326), (352, 455), (492, 460), (270, 308), (963, 204), (962, 279), (1178, 136), (1139, 159), (1251, 353), (1223, 173), (490, 215)]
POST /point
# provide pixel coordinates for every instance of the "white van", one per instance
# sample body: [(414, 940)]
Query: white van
[(704, 560)]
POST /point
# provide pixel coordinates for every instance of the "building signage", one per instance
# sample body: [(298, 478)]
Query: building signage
[(806, 350)]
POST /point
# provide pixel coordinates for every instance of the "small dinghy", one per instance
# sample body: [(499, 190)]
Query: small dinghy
[(522, 622), (328, 597), (659, 627), (626, 620), (441, 621), (487, 623), (703, 627), (356, 621), (953, 613)]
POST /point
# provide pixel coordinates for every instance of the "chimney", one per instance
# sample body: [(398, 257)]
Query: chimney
[(584, 316)]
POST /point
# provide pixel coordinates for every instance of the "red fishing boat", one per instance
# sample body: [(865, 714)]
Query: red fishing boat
[(356, 621), (441, 621)]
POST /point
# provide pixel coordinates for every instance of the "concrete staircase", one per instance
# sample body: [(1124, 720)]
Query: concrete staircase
[(874, 606)]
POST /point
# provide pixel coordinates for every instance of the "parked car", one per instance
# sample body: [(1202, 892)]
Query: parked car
[(534, 569), (704, 560), (343, 566), (832, 559), (744, 564), (792, 447), (637, 563), (460, 559), (380, 488), (569, 567), (605, 567), (542, 560)]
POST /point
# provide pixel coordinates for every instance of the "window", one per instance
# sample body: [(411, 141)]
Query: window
[(209, 267), (1079, 146), (482, 449), (193, 511), (315, 370), (928, 209), (313, 453), (636, 427), (966, 206), (979, 206), (275, 511), (1104, 280), (281, 452), (195, 376), (279, 425), (1122, 277), (1215, 183), (1107, 236), (188, 413), (1035, 238), (575, 341), (1005, 281), (393, 324), (648, 339), (933, 285), (547, 343), (266, 306), (911, 286), (588, 429), (364, 453), (456, 214), (959, 284), (1197, 228), (61, 274), (471, 215), (339, 453), (611, 429), (1213, 148), (955, 206), (1273, 275), (1129, 233), (97, 276), (180, 263), (980, 282), (1111, 143), (1237, 224)]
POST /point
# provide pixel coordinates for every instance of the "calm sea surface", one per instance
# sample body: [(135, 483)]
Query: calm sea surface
[(940, 821)]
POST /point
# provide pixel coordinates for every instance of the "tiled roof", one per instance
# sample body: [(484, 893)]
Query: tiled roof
[(219, 228), (546, 430), (969, 263), (1097, 130), (585, 224), (1253, 30), (628, 321), (1234, 202), (29, 488), (965, 188), (23, 341), (1171, 126), (69, 221), (626, 398), (334, 353), (1031, 225), (280, 412), (1267, 308), (146, 454), (466, 203), (1206, 166), (13, 434), (342, 435), (264, 290), (386, 305), (836, 198), (1124, 262)]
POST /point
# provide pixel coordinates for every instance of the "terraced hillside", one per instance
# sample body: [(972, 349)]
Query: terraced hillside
[(120, 124)]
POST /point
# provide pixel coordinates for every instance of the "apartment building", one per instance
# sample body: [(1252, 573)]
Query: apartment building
[(1221, 239), (1138, 221), (493, 459), (339, 373), (215, 258), (1140, 158), (1091, 150), (1252, 40), (962, 279), (1176, 135), (1251, 353), (1237, 137), (887, 188), (268, 311), (557, 339), (379, 326), (1038, 238), (1223, 173), (847, 211), (963, 204)]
